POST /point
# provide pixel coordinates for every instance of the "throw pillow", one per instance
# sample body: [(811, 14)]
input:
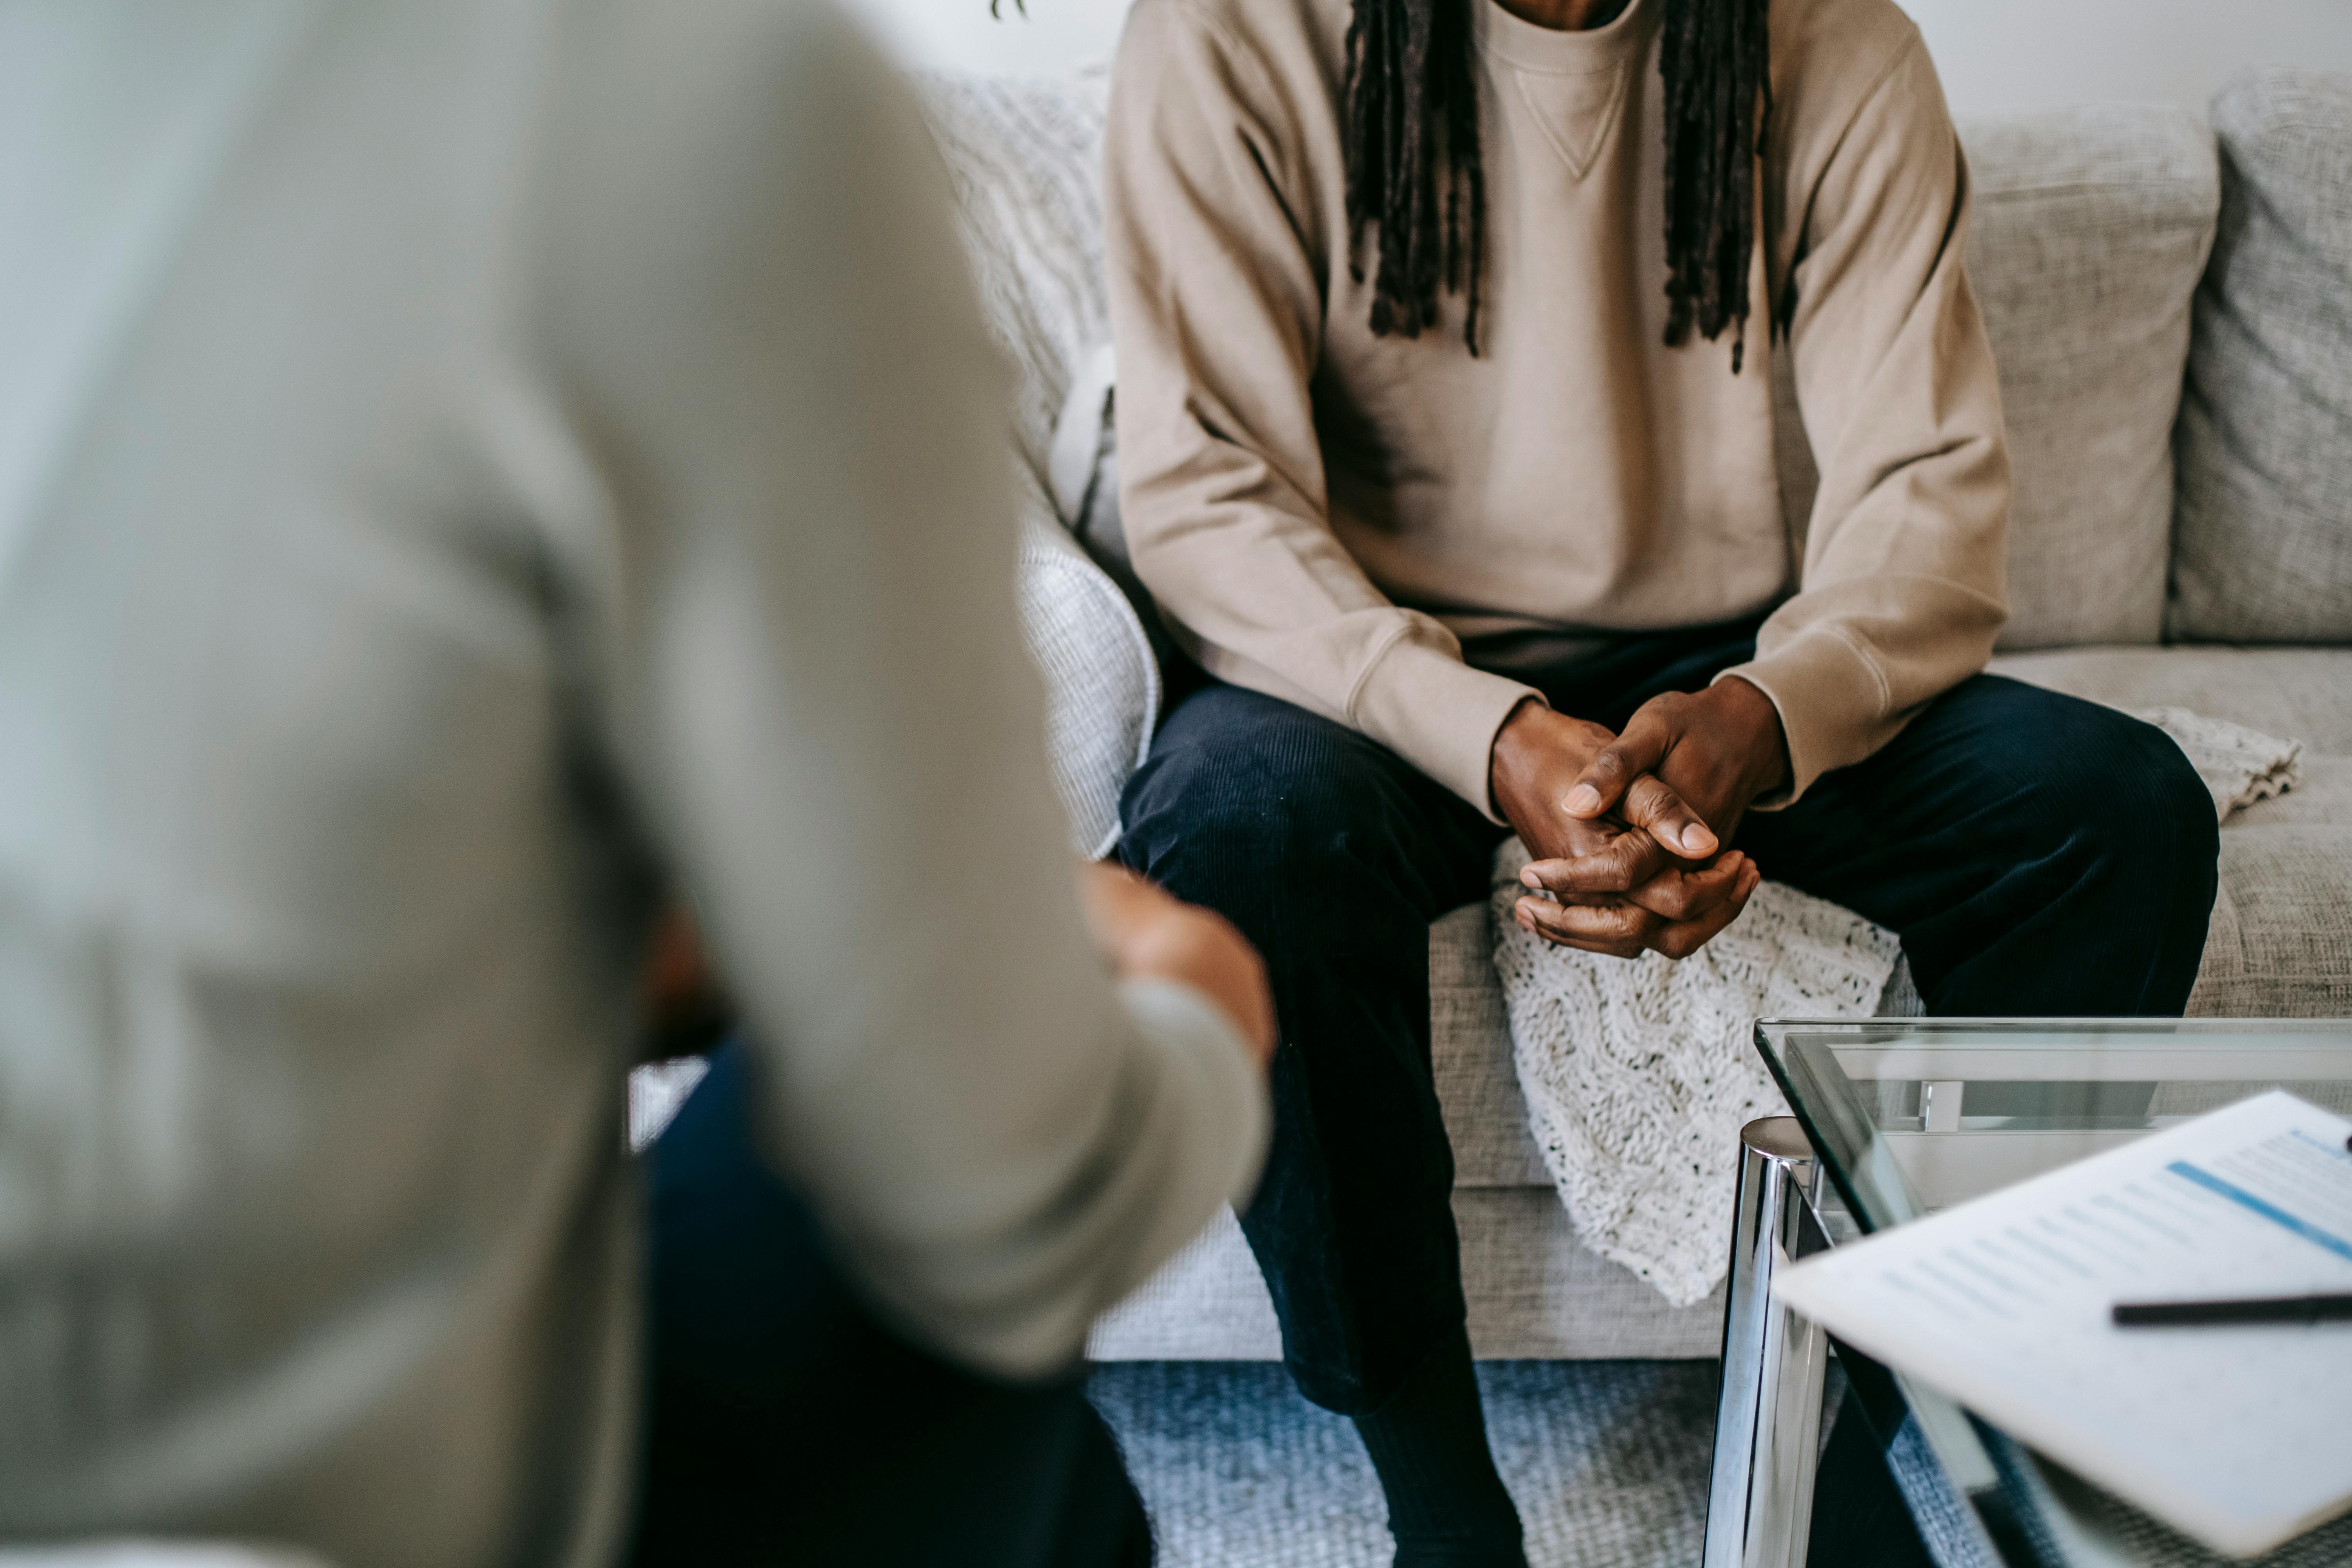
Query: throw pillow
[(1102, 686), (2088, 230), (1023, 161), (2263, 550)]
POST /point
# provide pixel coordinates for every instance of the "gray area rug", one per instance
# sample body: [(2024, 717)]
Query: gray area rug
[(1606, 1460)]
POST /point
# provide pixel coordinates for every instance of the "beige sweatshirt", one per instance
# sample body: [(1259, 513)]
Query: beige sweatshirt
[(1329, 516)]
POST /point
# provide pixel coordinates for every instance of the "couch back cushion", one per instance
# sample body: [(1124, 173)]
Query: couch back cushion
[(2089, 229), (2264, 547), (1024, 156)]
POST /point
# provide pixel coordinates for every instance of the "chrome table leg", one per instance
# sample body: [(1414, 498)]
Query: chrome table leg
[(1760, 1503)]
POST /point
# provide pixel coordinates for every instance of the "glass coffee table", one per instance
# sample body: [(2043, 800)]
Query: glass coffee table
[(1897, 1118)]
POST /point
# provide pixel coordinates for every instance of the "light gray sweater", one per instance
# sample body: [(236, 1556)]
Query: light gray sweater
[(463, 464)]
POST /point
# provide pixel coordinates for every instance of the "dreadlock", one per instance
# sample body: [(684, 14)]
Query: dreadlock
[(1412, 99), (1412, 132)]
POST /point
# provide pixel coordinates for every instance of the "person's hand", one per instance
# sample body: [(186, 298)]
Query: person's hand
[(1687, 766), (1148, 934), (1707, 753), (1643, 871), (686, 1011)]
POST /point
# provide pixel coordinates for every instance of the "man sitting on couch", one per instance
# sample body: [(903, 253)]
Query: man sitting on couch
[(1437, 459)]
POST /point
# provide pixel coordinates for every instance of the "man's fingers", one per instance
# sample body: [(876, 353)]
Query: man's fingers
[(1680, 939), (1147, 932), (1622, 931), (1624, 863), (1638, 874), (1117, 905), (1614, 769), (1652, 805), (1684, 895)]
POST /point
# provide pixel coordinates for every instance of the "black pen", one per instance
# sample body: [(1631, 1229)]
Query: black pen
[(2258, 1309)]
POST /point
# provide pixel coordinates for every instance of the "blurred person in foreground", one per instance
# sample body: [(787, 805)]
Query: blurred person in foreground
[(466, 469)]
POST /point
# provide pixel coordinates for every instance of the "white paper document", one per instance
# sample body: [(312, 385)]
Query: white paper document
[(2240, 1437)]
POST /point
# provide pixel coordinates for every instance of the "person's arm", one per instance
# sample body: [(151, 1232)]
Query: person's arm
[(799, 535), (1212, 233), (1902, 582)]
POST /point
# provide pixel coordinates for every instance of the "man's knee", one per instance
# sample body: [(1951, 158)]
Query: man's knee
[(1244, 796), (2171, 805), (2130, 811)]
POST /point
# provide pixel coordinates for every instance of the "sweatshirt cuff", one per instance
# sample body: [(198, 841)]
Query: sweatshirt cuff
[(1833, 703), (1439, 714), (1231, 1135)]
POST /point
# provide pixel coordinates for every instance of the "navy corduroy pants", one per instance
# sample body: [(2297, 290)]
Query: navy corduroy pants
[(2037, 854)]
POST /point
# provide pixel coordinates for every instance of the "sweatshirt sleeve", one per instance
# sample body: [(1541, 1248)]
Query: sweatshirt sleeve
[(763, 330), (1216, 301), (1903, 578)]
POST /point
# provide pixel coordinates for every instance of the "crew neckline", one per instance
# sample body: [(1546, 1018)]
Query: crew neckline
[(1531, 47)]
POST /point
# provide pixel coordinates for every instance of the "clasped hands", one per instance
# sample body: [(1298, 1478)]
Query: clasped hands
[(1628, 832)]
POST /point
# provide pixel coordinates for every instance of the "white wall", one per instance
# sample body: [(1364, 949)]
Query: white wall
[(2030, 54), (1994, 54)]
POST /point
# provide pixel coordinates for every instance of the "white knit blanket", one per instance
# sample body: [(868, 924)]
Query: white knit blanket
[(1638, 1076)]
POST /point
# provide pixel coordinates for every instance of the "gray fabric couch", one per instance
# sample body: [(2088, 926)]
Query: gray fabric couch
[(2167, 550)]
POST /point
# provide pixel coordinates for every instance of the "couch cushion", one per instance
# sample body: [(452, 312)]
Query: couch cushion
[(2263, 548), (2089, 230), (1102, 682), (2281, 942), (1470, 1047), (2297, 694), (1022, 158)]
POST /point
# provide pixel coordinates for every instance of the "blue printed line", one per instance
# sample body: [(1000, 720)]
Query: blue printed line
[(2270, 1211), (2333, 1150)]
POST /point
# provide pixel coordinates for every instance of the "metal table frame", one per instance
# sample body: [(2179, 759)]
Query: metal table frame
[(1767, 1423), (1978, 1499), (1768, 1426)]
